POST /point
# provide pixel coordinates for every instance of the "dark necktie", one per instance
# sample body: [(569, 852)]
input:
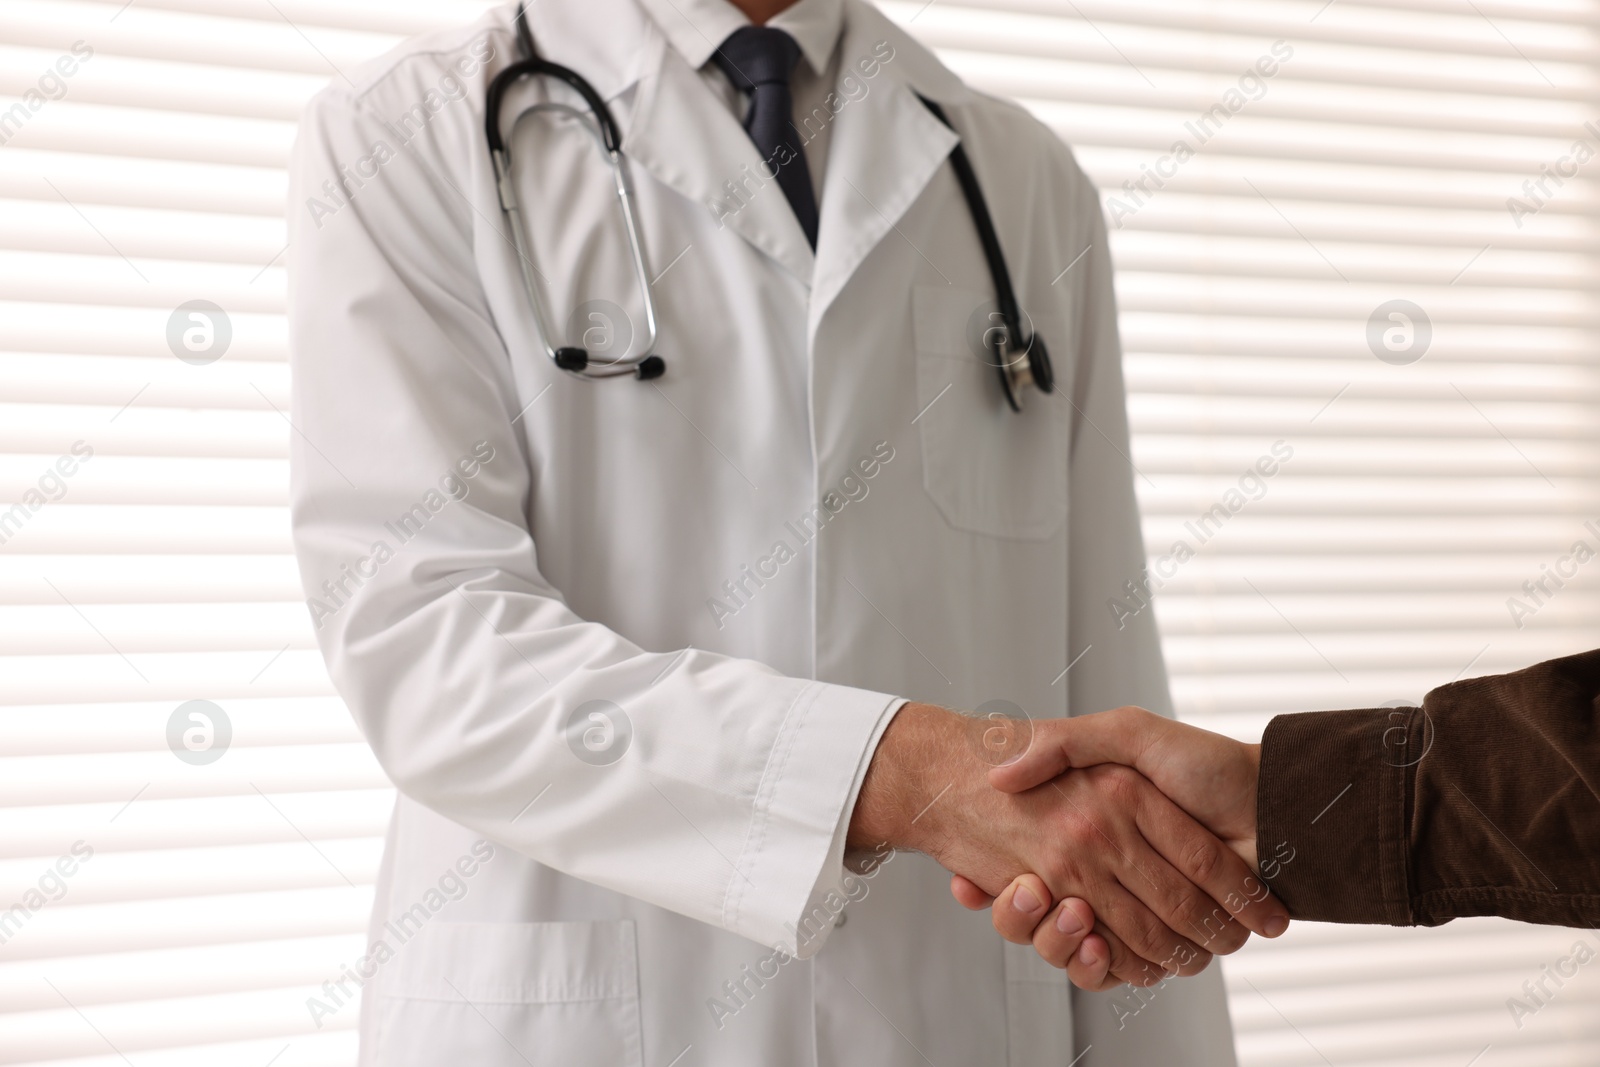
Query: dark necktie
[(758, 60)]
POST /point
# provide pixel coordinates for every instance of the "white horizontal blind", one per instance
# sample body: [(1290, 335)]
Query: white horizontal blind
[(1368, 158), (164, 912)]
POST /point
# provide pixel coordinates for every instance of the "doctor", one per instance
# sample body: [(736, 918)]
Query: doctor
[(638, 651)]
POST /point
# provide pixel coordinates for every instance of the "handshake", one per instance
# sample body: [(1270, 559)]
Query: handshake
[(1121, 845)]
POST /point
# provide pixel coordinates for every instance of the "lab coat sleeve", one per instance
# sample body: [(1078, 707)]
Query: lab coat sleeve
[(711, 786), (1119, 642)]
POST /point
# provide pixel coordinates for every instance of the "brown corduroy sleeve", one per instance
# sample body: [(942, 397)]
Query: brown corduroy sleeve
[(1485, 801)]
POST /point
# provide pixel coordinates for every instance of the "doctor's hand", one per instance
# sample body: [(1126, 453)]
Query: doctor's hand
[(1155, 879), (1212, 776)]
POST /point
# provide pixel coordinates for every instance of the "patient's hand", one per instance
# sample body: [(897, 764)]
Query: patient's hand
[(1211, 776)]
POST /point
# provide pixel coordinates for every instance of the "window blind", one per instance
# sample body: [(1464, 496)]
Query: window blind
[(189, 905), (1282, 178), (166, 907)]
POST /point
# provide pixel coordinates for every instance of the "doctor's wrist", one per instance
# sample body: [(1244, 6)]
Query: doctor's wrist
[(919, 747)]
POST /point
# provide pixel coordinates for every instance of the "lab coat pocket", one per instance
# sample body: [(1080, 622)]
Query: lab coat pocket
[(503, 994), (989, 469), (1038, 1010)]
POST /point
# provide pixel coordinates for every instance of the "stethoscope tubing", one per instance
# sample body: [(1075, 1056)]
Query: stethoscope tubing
[(1020, 359), (646, 364)]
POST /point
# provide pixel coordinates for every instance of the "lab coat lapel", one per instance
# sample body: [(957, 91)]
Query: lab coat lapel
[(688, 140), (886, 146)]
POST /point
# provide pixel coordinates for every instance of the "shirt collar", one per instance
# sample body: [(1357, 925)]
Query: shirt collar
[(696, 27)]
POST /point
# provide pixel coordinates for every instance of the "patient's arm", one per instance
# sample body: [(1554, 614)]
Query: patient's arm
[(1484, 801)]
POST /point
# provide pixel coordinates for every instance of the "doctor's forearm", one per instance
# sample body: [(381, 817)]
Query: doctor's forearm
[(918, 737), (920, 785)]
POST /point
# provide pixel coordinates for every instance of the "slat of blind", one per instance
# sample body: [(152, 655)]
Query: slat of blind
[(71, 279), (93, 330), (146, 430), (1428, 494), (35, 378), (1540, 26), (1173, 334), (1234, 261), (1559, 13), (190, 627), (162, 874), (64, 930), (332, 1047), (167, 973), (212, 821), (140, 234), (1410, 1041), (1278, 573), (1399, 611), (117, 590), (1457, 943), (1279, 535), (1155, 112), (132, 726), (1528, 379), (179, 87), (1222, 174), (402, 17), (87, 177), (137, 479), (1384, 1000), (84, 679), (243, 770), (1382, 227), (137, 529), (1377, 648), (193, 38), (950, 27), (1457, 454), (1164, 43), (155, 1024), (1300, 140), (154, 134)]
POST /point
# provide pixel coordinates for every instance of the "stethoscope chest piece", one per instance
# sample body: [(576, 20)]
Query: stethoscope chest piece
[(1024, 365)]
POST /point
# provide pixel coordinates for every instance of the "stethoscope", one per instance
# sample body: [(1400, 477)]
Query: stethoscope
[(1021, 360)]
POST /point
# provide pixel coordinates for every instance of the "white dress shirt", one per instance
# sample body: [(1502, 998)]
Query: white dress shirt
[(695, 28)]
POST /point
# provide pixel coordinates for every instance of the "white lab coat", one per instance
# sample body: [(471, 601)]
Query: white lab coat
[(565, 542)]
